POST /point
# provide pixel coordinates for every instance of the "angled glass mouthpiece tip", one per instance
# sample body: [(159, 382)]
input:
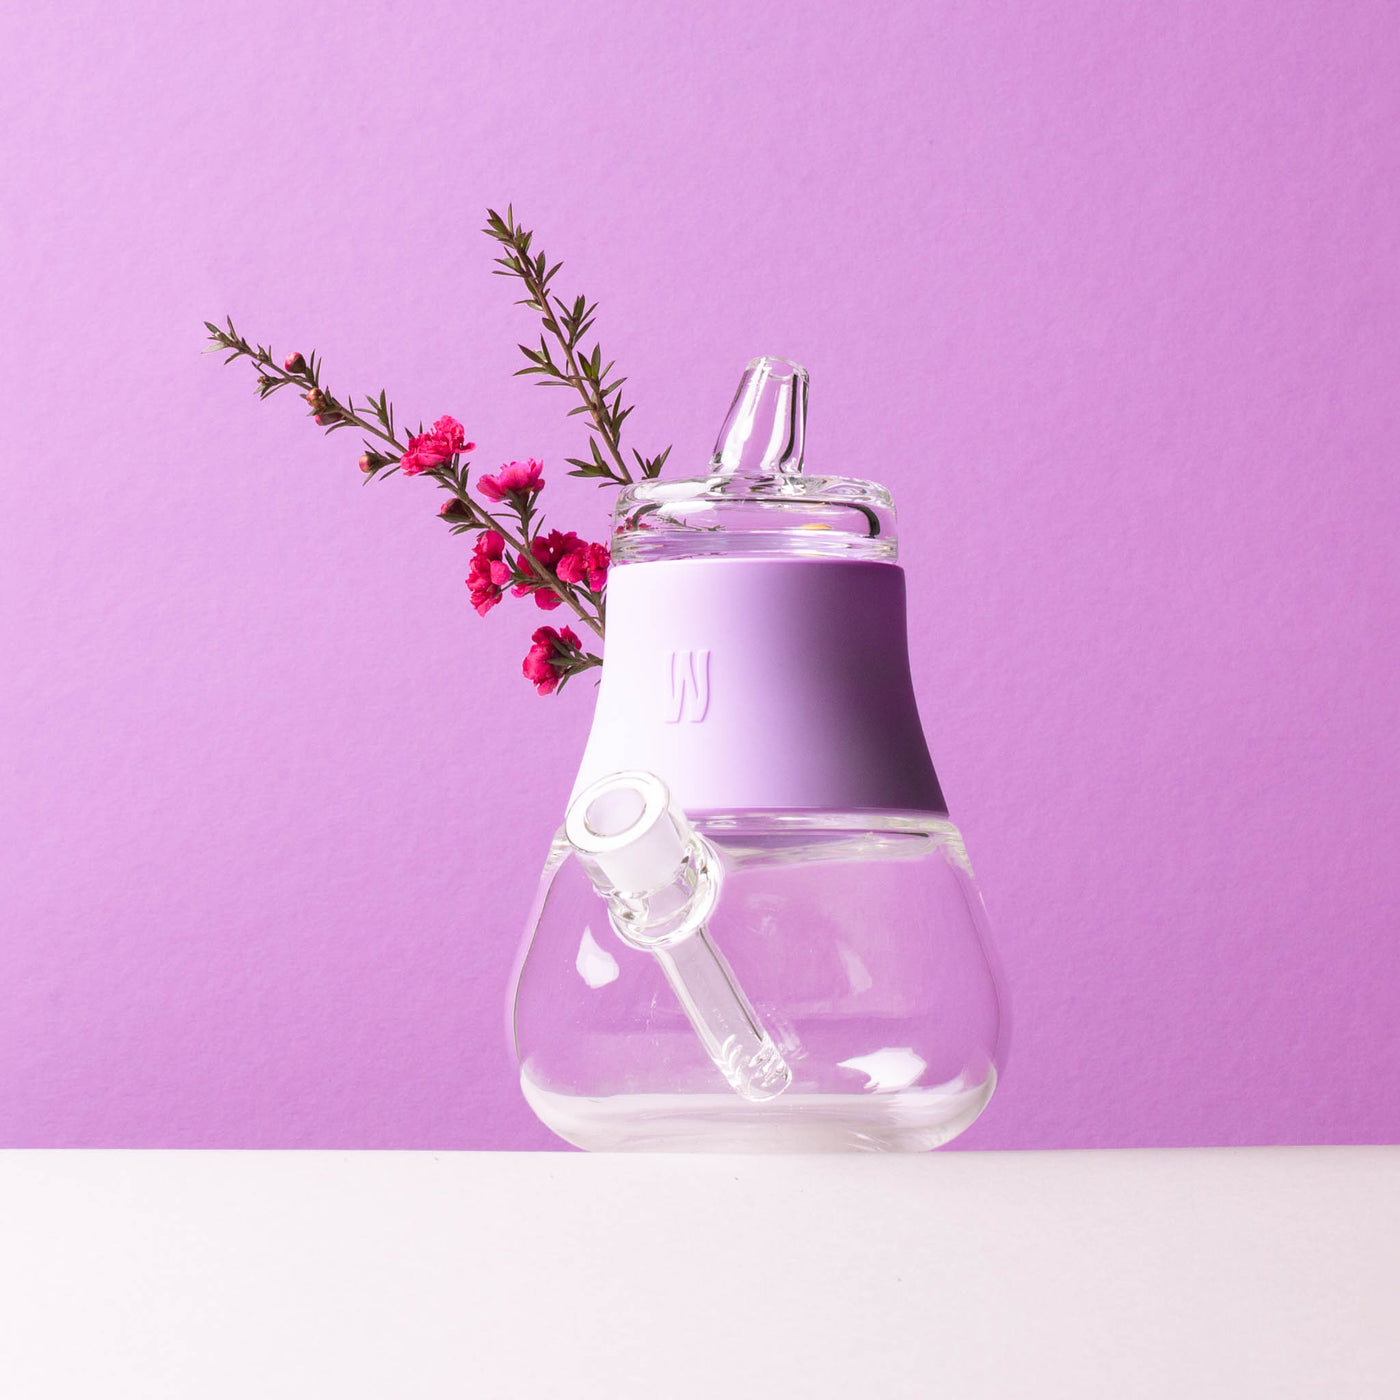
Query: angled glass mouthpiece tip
[(765, 431), (661, 881)]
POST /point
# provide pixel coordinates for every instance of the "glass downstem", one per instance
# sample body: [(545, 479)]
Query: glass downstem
[(661, 881), (727, 1025)]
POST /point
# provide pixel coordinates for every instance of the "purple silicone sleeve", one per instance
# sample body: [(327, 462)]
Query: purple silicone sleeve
[(762, 684)]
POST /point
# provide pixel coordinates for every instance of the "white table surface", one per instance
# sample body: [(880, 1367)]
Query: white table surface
[(1252, 1272)]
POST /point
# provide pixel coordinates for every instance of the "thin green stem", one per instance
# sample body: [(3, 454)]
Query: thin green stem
[(588, 391), (586, 374), (480, 517)]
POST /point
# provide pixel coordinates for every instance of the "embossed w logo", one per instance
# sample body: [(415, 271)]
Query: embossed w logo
[(689, 674)]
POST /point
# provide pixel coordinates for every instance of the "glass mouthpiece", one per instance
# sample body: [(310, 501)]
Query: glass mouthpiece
[(764, 433), (755, 499), (661, 881)]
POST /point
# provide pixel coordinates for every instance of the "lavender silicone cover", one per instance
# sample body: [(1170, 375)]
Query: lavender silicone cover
[(752, 684)]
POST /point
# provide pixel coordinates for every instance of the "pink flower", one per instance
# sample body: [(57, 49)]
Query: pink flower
[(585, 561), (546, 599), (548, 550), (571, 560), (490, 569), (599, 562), (431, 449), (551, 548), (545, 664), (294, 364), (515, 479)]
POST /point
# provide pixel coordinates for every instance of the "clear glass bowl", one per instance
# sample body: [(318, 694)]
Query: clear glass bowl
[(859, 939)]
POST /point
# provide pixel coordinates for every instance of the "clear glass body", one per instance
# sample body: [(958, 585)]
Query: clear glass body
[(859, 940), (760, 980)]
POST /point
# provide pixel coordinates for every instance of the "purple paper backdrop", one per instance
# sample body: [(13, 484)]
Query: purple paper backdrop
[(1109, 294)]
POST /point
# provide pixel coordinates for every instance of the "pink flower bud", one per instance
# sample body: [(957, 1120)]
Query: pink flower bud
[(294, 364)]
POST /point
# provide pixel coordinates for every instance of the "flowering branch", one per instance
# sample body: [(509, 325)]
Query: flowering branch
[(511, 551), (566, 324), (555, 568)]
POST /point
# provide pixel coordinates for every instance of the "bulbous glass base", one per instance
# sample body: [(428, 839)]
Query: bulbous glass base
[(909, 1120), (859, 940)]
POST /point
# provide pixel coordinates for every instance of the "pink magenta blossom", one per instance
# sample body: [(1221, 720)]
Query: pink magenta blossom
[(551, 548), (542, 666), (548, 550), (516, 479), (546, 599), (434, 447), (490, 569), (570, 559), (585, 561)]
